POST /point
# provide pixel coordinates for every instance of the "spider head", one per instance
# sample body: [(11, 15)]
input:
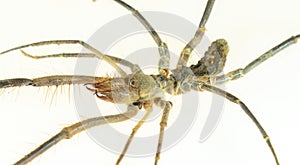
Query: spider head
[(137, 87)]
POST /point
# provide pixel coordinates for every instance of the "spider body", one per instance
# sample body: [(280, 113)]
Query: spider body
[(138, 90)]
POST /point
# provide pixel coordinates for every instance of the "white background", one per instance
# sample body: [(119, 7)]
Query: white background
[(271, 91)]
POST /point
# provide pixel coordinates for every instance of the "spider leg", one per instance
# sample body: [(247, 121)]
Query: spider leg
[(164, 61), (82, 43), (166, 105), (236, 100), (117, 60), (134, 130), (50, 81), (238, 73), (68, 132), (188, 49), (42, 43)]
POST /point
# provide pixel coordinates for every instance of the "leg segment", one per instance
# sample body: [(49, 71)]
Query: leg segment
[(51, 81), (164, 61), (117, 60), (238, 73), (134, 130), (234, 99), (166, 105), (188, 49), (68, 132), (97, 53)]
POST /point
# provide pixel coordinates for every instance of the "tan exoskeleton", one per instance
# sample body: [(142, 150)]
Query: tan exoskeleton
[(138, 90)]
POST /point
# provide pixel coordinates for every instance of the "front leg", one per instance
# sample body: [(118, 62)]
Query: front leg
[(57, 80)]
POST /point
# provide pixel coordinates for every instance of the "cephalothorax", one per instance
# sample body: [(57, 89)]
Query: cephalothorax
[(139, 90)]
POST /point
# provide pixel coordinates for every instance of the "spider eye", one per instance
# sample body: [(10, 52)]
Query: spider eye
[(132, 83)]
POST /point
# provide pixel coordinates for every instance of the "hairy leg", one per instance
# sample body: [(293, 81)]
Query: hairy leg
[(51, 81)]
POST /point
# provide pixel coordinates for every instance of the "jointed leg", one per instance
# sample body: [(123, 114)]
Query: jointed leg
[(238, 73), (188, 49), (97, 53), (51, 81), (43, 43), (234, 99), (134, 130), (164, 61), (166, 105), (117, 60), (68, 132)]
